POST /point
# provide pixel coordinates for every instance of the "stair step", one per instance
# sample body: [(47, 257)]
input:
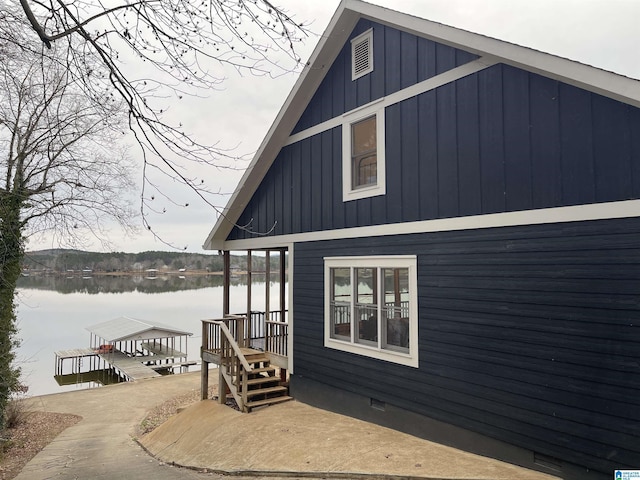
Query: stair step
[(269, 370), (250, 351), (257, 358), (262, 380), (266, 368), (252, 358), (266, 391), (268, 401)]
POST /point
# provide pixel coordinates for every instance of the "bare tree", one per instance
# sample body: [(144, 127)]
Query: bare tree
[(61, 170), (186, 43), (59, 113)]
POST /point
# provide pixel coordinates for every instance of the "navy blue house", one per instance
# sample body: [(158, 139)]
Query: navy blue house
[(462, 222)]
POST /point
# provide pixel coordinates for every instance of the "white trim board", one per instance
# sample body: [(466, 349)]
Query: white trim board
[(576, 213), (432, 83), (292, 326)]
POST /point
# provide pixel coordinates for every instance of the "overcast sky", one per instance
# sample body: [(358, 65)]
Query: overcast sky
[(603, 33)]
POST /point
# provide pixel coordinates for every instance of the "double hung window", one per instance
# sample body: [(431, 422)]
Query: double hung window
[(371, 307), (363, 153), (363, 162)]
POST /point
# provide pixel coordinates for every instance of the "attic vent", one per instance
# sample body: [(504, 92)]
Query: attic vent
[(362, 54)]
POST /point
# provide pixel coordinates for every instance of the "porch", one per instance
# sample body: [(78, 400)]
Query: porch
[(249, 348)]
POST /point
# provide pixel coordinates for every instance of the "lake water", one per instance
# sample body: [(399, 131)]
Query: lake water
[(54, 312)]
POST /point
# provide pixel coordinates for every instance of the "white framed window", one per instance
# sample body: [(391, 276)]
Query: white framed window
[(363, 152), (371, 307), (362, 54)]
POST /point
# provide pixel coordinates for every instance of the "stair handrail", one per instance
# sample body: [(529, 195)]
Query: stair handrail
[(234, 345)]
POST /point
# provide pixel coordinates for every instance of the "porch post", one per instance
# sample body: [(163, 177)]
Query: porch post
[(222, 388), (268, 332), (204, 368), (267, 292), (282, 282), (249, 268), (226, 278), (268, 341), (283, 371)]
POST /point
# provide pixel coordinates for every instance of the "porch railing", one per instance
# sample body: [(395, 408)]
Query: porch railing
[(248, 331), (277, 337), (234, 367), (212, 334)]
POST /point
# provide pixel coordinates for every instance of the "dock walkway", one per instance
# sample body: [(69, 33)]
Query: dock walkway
[(131, 367)]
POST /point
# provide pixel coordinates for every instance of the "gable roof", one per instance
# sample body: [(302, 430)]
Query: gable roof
[(349, 12), (126, 328)]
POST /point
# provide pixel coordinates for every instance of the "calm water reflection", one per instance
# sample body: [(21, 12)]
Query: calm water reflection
[(53, 313), (122, 283)]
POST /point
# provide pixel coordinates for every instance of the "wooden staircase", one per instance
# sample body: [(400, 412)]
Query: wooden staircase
[(252, 381), (243, 372), (263, 386)]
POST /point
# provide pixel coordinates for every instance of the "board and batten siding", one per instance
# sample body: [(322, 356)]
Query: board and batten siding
[(400, 60), (529, 335), (499, 140)]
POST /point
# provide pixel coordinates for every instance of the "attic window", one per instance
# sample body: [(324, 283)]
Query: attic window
[(362, 54), (363, 152)]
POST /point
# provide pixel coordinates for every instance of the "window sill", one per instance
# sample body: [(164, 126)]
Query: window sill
[(364, 192), (373, 352)]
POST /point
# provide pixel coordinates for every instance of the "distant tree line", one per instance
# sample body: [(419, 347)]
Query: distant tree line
[(66, 284), (64, 260)]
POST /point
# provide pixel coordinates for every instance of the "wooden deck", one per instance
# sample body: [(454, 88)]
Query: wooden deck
[(75, 352), (131, 367)]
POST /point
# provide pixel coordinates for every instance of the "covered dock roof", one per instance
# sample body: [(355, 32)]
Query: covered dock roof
[(124, 329)]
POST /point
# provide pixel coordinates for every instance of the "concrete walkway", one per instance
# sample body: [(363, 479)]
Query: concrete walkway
[(290, 440), (101, 446)]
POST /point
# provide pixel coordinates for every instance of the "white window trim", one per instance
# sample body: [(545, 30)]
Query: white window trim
[(348, 193), (356, 41), (395, 261)]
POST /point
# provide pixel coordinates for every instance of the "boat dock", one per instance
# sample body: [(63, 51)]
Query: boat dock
[(124, 349)]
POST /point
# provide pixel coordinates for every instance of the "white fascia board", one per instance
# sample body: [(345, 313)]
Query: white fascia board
[(574, 213), (602, 82)]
